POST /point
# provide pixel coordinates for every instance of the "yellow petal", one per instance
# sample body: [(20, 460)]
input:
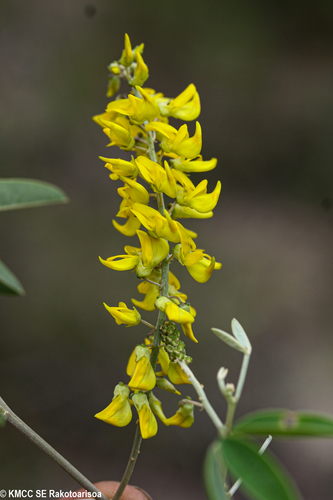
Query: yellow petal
[(183, 418), (187, 329), (164, 361), (123, 315), (200, 271), (197, 165), (119, 412), (143, 378), (147, 420), (176, 374), (140, 73), (125, 263), (130, 227), (189, 147), (148, 304), (183, 212), (131, 364), (156, 406), (206, 202)]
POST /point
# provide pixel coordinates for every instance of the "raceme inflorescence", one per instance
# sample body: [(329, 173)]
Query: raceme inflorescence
[(156, 192)]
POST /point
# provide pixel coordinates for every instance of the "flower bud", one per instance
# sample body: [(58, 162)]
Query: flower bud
[(114, 68), (164, 384), (113, 86), (127, 55), (156, 406)]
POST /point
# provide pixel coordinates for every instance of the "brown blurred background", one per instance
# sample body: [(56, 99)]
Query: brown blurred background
[(264, 71)]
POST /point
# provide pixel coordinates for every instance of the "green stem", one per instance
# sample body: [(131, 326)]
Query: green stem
[(131, 463), (233, 400), (13, 419), (222, 430)]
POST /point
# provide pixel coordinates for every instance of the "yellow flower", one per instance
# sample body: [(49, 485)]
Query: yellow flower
[(123, 315), (147, 420), (125, 262), (127, 55), (144, 259), (143, 377), (164, 227), (153, 251), (151, 292), (202, 270), (178, 141), (199, 264), (186, 106), (183, 212), (113, 86), (160, 179), (176, 374), (138, 109), (198, 165), (119, 412), (121, 168), (196, 197), (119, 135), (141, 71), (156, 406), (131, 364), (183, 418), (130, 227), (132, 192), (177, 314), (114, 68)]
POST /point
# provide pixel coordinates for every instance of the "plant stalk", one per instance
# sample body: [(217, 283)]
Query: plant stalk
[(221, 428), (13, 419)]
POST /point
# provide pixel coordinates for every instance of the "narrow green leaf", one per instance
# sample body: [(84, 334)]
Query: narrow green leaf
[(2, 420), (286, 423), (24, 193), (214, 472), (240, 335), (229, 340), (9, 284), (263, 478)]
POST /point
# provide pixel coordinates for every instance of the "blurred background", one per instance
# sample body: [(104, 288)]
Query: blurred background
[(264, 71)]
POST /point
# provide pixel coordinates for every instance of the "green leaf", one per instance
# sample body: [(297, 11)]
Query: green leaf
[(286, 423), (214, 472), (9, 284), (229, 340), (240, 335), (263, 478), (24, 193)]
